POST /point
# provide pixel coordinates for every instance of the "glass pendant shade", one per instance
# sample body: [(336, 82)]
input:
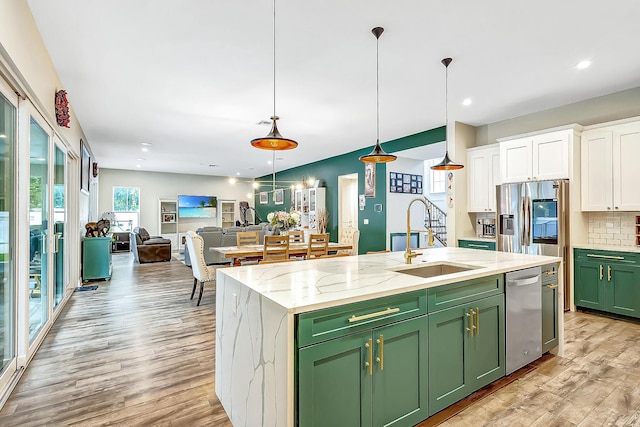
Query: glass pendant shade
[(377, 155), (446, 164), (273, 140)]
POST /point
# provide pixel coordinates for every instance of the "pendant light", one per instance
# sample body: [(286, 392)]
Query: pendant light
[(446, 164), (378, 155), (273, 140)]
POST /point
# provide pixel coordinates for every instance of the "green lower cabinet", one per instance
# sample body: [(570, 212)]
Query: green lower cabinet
[(373, 378), (623, 289), (549, 316), (589, 287), (611, 285), (467, 350)]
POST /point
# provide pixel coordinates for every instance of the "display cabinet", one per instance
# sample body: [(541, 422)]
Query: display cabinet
[(168, 220), (226, 213), (96, 258)]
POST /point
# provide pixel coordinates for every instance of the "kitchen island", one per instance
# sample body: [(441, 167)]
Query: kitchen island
[(261, 312)]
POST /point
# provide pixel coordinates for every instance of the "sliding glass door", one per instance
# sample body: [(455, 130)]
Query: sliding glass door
[(59, 218), (8, 140), (39, 263)]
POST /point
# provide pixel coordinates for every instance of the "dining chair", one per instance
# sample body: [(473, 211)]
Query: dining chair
[(296, 236), (275, 248), (244, 238), (318, 245), (349, 236), (276, 261), (201, 271)]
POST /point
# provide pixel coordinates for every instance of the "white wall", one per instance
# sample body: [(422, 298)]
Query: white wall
[(157, 185)]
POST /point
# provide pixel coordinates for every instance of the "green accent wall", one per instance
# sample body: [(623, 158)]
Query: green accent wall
[(372, 235)]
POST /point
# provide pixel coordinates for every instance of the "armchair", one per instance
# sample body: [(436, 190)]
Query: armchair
[(148, 248)]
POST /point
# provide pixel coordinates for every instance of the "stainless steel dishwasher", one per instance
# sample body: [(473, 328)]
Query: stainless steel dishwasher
[(523, 317)]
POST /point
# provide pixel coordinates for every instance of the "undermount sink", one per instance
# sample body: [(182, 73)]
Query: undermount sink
[(434, 270)]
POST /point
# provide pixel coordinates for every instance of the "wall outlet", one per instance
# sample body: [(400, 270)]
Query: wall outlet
[(365, 221)]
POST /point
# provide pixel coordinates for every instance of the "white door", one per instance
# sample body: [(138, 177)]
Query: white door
[(347, 201)]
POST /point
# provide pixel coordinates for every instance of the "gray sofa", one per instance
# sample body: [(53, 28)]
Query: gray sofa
[(217, 236)]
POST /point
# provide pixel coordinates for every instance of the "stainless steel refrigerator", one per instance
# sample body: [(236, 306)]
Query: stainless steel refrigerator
[(533, 218)]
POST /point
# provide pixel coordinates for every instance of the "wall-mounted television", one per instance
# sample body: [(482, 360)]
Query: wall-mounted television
[(197, 206)]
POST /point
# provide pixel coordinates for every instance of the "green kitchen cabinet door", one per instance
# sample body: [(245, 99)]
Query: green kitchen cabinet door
[(486, 348), (549, 316), (588, 284), (400, 374), (334, 385), (622, 283), (448, 380)]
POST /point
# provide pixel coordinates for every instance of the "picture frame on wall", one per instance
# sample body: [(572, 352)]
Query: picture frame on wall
[(405, 183), (370, 179), (264, 197), (85, 167), (278, 196)]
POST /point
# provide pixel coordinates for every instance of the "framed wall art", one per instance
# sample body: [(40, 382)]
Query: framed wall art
[(264, 197), (370, 179), (278, 196), (405, 183), (85, 167)]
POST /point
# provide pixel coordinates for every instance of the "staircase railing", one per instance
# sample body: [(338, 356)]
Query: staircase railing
[(437, 221)]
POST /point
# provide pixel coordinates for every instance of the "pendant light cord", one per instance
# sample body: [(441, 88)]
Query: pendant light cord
[(446, 96), (377, 89), (274, 59)]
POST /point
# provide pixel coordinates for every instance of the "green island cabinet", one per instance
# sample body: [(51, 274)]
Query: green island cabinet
[(607, 281), (476, 244), (467, 339), (364, 364), (96, 258)]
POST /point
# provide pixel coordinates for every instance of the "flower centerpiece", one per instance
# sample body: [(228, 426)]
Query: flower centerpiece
[(282, 221)]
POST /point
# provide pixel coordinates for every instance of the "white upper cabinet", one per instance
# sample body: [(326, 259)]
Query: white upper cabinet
[(610, 172), (536, 158), (483, 175)]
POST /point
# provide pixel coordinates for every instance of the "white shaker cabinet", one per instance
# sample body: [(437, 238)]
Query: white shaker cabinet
[(483, 175), (610, 172), (538, 157)]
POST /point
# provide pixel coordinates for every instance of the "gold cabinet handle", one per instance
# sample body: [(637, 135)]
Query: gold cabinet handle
[(605, 256), (471, 326), (550, 273), (369, 363), (380, 359), (477, 321), (552, 286), (472, 245), (355, 318), (600, 271), (608, 273)]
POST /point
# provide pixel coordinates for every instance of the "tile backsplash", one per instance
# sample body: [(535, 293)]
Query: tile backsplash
[(612, 228)]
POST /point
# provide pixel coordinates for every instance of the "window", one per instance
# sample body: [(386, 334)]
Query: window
[(126, 205), (438, 178)]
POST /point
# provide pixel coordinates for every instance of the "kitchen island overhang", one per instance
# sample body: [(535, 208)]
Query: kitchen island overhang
[(256, 308)]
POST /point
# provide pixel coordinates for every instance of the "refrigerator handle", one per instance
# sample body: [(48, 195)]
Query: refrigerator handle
[(528, 219)]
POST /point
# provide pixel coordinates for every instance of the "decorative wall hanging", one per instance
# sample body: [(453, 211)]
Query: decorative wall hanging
[(278, 196), (405, 183), (85, 167), (95, 169), (62, 108), (264, 198), (370, 179)]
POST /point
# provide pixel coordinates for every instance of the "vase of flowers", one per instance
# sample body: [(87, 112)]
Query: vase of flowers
[(281, 221)]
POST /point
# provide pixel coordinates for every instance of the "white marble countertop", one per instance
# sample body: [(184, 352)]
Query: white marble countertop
[(594, 247), (310, 285)]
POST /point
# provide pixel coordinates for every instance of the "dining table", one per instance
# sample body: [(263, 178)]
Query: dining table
[(237, 253)]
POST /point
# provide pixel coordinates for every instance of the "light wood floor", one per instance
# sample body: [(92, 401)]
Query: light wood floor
[(138, 352)]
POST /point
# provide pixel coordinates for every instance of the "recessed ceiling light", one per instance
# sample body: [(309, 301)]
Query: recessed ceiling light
[(467, 101), (145, 149), (145, 143), (238, 173), (137, 166), (141, 159), (583, 64)]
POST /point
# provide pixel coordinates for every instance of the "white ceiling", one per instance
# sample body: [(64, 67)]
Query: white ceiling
[(194, 77)]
